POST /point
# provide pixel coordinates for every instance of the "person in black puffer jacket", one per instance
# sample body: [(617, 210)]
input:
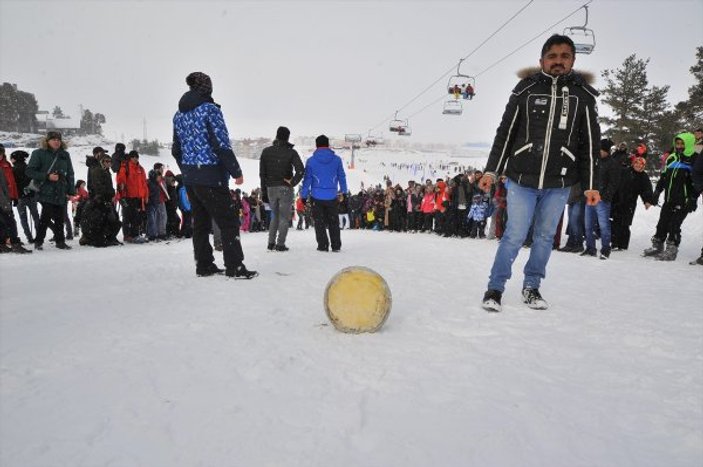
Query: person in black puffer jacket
[(99, 221), (28, 198), (276, 167)]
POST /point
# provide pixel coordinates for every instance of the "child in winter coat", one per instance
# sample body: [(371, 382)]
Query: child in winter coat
[(186, 229), (77, 204), (478, 212), (680, 198), (427, 209)]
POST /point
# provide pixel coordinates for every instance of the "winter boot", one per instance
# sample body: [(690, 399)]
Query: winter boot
[(534, 299), (491, 301), (657, 247), (669, 254)]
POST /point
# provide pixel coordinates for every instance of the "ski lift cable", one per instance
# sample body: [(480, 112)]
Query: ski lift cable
[(508, 55), (444, 75), (535, 37)]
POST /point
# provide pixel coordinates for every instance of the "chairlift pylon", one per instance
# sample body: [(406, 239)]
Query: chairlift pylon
[(583, 37)]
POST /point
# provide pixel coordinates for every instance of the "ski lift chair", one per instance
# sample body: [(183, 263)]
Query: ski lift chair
[(452, 107), (583, 37)]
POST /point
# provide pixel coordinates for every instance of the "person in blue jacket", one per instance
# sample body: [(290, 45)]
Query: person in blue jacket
[(204, 154), (324, 179)]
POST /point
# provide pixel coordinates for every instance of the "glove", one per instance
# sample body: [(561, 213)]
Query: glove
[(691, 204)]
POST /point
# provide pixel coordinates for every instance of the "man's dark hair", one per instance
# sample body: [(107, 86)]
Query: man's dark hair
[(558, 39)]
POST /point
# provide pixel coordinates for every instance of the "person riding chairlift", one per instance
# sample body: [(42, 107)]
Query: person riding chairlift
[(469, 92)]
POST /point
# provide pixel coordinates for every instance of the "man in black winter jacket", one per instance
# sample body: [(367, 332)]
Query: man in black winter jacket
[(609, 171), (546, 142), (276, 167)]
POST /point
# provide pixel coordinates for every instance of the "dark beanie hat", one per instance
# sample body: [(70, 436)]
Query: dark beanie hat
[(322, 141), (200, 82), (158, 165), (282, 134), (120, 147), (53, 135), (606, 144)]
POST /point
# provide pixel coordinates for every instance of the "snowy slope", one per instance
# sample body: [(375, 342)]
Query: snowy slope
[(122, 357)]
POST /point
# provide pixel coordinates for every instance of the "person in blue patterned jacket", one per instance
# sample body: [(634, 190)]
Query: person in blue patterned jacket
[(204, 154)]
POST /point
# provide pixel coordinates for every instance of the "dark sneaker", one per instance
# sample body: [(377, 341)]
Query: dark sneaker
[(588, 252), (62, 246), (335, 250), (209, 270), (38, 246), (18, 248), (533, 299), (604, 254), (282, 248), (698, 261), (241, 272), (113, 242), (271, 246), (83, 241), (491, 300), (5, 248), (319, 248)]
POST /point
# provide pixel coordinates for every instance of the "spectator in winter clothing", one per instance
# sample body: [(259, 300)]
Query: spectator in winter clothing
[(133, 193), (324, 178), (575, 229), (541, 157), (99, 220), (186, 229), (680, 198), (427, 207), (203, 152), (51, 167), (634, 183), (478, 213), (697, 178), (27, 198), (173, 222), (119, 157), (78, 204), (608, 182), (343, 211), (156, 206), (9, 242), (276, 167)]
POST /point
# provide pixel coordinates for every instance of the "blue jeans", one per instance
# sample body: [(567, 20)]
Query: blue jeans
[(600, 211), (546, 206), (156, 220)]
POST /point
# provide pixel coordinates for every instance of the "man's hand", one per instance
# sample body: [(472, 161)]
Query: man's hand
[(239, 180), (486, 182), (592, 197), (647, 205)]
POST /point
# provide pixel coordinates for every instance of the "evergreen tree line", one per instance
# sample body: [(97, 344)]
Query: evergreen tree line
[(146, 147), (643, 113)]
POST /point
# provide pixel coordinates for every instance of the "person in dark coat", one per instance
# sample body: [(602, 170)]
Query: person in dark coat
[(99, 221), (27, 198), (547, 141), (697, 179), (634, 183), (609, 171), (277, 165), (680, 198), (50, 166)]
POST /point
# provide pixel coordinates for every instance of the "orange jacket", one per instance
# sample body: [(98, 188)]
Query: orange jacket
[(131, 181), (441, 197)]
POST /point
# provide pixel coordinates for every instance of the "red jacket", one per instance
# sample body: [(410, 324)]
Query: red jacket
[(10, 178), (131, 181)]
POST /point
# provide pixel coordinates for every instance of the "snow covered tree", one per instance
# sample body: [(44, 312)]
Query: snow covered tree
[(57, 112), (17, 109), (691, 111)]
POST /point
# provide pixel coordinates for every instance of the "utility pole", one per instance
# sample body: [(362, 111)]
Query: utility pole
[(144, 124)]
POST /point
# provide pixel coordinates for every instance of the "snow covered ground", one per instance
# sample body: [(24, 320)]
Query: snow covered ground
[(122, 357)]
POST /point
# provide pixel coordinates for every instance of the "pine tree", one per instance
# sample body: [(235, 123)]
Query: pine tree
[(691, 111), (625, 92), (57, 112)]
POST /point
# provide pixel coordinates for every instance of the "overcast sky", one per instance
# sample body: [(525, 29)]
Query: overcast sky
[(317, 66)]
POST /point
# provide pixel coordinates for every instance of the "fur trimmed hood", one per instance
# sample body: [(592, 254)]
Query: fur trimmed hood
[(44, 144), (587, 76)]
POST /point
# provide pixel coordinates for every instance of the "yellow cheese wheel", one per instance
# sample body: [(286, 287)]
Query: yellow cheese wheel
[(357, 299)]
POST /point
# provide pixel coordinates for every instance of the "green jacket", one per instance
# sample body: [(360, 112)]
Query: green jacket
[(38, 169)]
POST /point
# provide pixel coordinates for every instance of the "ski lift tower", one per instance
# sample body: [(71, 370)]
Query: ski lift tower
[(352, 138)]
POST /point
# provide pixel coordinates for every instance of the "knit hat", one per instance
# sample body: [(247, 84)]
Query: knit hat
[(199, 82), (606, 144), (168, 174), (133, 153), (53, 135), (17, 155), (322, 141), (282, 134), (120, 147), (641, 149), (158, 165)]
